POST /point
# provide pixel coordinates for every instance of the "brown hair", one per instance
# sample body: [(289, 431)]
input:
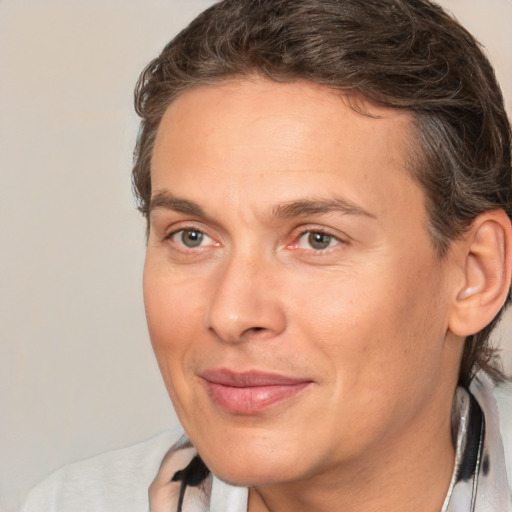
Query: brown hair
[(406, 54)]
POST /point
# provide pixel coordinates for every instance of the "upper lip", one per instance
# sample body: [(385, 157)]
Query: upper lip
[(251, 378)]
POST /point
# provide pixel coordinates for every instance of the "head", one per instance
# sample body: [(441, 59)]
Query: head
[(403, 54), (403, 64)]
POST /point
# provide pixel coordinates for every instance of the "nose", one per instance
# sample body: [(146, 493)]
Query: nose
[(245, 303)]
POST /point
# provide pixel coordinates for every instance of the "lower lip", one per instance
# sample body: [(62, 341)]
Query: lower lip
[(251, 400)]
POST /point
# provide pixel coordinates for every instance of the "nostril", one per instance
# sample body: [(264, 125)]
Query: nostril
[(253, 330)]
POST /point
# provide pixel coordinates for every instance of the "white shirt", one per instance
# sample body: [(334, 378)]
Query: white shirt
[(118, 481)]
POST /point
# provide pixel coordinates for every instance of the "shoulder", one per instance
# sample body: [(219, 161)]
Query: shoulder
[(503, 395), (113, 481)]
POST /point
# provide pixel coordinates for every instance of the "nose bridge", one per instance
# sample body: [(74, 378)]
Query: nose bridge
[(245, 301)]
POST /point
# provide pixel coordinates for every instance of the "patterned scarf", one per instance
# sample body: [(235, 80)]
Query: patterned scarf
[(479, 480)]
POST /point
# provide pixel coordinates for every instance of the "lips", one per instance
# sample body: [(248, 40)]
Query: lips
[(250, 392)]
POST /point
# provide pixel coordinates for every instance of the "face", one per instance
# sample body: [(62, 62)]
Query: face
[(296, 305)]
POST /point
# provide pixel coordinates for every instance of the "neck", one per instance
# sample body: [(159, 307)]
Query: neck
[(397, 476)]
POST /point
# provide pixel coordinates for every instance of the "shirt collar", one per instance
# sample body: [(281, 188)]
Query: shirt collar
[(479, 480)]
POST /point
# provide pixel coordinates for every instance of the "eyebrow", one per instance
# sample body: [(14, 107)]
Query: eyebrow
[(304, 208), (167, 201), (300, 208)]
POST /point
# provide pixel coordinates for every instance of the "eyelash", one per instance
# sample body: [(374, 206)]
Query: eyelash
[(295, 245), (316, 231), (184, 229)]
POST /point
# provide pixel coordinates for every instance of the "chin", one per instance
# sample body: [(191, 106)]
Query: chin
[(252, 477), (254, 470)]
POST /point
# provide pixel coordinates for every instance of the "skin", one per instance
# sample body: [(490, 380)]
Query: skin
[(364, 320)]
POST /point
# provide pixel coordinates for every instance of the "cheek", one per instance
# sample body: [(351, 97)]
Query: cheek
[(174, 316), (374, 325), (173, 301)]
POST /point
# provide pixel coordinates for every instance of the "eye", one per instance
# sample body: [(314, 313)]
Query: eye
[(316, 240), (190, 238)]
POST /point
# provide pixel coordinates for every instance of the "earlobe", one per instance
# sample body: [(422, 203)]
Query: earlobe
[(486, 264)]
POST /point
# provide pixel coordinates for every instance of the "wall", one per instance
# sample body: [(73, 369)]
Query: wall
[(77, 375)]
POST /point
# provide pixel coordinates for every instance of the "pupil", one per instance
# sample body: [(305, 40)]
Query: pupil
[(319, 240), (191, 238)]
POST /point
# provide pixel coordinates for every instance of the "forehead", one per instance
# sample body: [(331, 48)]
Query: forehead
[(288, 110), (269, 138)]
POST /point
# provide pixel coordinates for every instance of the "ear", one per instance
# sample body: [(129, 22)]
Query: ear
[(485, 258)]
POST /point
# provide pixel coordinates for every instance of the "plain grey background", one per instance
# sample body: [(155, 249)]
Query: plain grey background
[(77, 375)]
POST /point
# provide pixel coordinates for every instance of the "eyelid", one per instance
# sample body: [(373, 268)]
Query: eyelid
[(190, 226), (305, 239), (298, 233)]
